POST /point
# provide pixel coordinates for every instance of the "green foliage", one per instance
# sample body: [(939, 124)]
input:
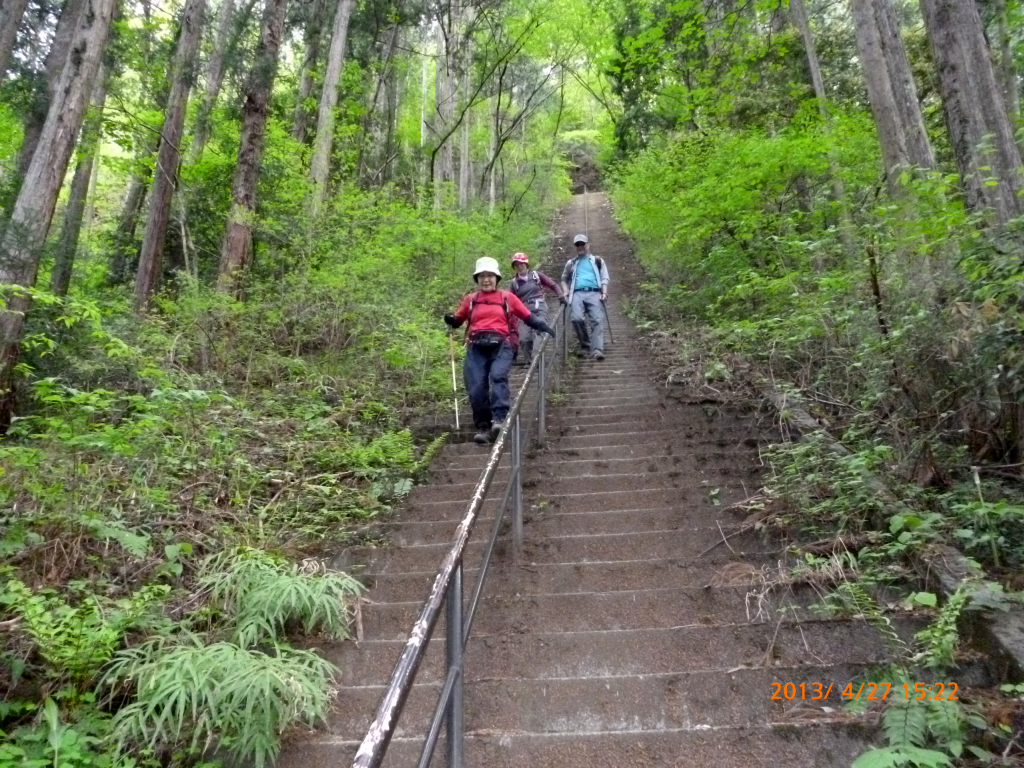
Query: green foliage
[(262, 595), (192, 696), (940, 640), (76, 641), (55, 740), (826, 490)]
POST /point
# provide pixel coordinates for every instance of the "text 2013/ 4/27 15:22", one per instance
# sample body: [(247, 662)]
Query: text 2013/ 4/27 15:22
[(868, 691)]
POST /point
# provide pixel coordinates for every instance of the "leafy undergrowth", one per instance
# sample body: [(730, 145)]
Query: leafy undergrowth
[(174, 489), (150, 589)]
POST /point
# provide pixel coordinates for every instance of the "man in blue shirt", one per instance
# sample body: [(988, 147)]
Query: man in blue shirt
[(585, 281)]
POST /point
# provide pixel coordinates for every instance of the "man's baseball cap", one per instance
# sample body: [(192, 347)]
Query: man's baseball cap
[(580, 239)]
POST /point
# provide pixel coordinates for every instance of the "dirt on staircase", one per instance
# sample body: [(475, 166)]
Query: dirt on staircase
[(639, 629)]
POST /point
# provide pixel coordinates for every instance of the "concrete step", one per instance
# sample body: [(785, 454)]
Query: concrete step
[(669, 440), (691, 430), (720, 565), (545, 521), (687, 464), (689, 487), (664, 447), (594, 611), (600, 501), (622, 703), (604, 547), (821, 744), (598, 654)]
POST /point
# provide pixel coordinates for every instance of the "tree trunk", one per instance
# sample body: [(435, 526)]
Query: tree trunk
[(320, 165), (796, 9), (891, 89), (424, 123), (312, 34), (465, 165), (53, 66), (11, 12), (74, 212), (214, 78), (1007, 71), (465, 160), (122, 243), (919, 149), (23, 239), (980, 133), (165, 178), (443, 169), (376, 145), (236, 249), (492, 190)]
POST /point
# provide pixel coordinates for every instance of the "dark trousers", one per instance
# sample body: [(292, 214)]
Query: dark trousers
[(527, 336), (486, 375)]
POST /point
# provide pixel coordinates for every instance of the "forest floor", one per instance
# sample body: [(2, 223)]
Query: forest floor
[(652, 620)]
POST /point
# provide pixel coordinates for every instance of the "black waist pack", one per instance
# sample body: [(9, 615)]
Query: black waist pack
[(486, 341)]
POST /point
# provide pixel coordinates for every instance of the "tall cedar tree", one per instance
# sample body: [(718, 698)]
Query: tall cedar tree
[(23, 239), (11, 12), (320, 165), (312, 32), (979, 130), (53, 67), (236, 249), (74, 211), (214, 78), (165, 178), (891, 89)]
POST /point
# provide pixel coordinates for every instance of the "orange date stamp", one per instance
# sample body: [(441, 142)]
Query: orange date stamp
[(866, 691)]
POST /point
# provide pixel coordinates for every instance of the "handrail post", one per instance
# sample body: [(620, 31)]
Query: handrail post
[(453, 656), (517, 489), (542, 388), (566, 310)]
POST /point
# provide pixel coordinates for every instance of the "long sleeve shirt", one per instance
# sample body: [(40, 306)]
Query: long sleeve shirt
[(529, 287), (572, 274), (492, 312)]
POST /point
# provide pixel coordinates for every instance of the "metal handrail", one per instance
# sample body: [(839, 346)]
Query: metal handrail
[(448, 585)]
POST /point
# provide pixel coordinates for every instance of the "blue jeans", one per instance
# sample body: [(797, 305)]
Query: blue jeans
[(486, 377)]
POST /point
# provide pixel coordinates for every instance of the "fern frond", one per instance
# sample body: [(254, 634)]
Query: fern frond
[(946, 722), (905, 724)]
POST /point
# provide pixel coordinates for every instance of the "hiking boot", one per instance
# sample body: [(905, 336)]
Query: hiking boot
[(598, 354), (496, 428), (482, 436)]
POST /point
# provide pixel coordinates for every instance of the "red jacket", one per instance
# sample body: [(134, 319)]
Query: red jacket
[(489, 313)]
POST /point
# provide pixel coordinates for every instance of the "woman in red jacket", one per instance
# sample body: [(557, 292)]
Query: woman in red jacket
[(491, 342)]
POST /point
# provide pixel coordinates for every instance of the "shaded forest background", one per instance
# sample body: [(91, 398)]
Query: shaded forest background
[(227, 232)]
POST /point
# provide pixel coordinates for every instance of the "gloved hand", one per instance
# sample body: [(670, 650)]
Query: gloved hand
[(451, 320), (563, 301), (548, 330)]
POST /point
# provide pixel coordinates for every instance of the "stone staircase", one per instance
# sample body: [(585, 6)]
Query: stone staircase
[(632, 632)]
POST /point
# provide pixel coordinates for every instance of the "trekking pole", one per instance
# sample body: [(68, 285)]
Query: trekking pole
[(607, 322), (455, 387), (586, 215)]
